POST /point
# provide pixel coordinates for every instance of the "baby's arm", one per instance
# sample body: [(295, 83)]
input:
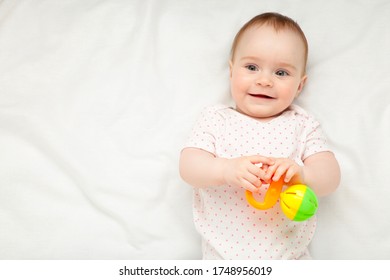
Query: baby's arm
[(320, 171), (203, 169)]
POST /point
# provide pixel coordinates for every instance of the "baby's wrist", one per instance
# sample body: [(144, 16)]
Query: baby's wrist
[(221, 167)]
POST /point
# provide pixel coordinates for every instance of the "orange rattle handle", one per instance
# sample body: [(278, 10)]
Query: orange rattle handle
[(271, 196)]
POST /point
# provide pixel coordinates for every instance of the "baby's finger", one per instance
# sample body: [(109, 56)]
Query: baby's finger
[(254, 180), (289, 174), (249, 186), (279, 173), (270, 172), (261, 159), (264, 167), (256, 171)]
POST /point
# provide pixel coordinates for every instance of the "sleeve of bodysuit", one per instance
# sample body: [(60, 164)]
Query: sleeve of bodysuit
[(315, 141), (205, 132)]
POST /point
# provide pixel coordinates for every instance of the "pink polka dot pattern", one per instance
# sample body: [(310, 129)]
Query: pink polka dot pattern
[(230, 228)]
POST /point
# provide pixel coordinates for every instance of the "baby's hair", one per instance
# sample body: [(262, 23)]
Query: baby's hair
[(278, 22)]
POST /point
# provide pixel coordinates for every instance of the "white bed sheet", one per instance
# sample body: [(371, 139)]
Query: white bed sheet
[(97, 97)]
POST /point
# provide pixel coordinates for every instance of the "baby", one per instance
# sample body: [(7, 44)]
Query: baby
[(263, 139)]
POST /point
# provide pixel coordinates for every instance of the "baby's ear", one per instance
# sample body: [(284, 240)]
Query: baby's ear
[(230, 67), (301, 85)]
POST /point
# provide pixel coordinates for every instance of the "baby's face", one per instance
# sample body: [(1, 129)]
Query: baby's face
[(267, 72)]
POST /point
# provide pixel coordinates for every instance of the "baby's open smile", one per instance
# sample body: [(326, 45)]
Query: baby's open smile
[(262, 96)]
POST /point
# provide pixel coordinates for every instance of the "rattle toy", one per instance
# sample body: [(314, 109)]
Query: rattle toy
[(298, 202)]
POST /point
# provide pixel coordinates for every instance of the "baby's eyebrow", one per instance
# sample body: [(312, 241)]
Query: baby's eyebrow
[(287, 65), (249, 58)]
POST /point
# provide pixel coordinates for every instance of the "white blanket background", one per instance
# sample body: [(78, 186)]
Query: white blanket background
[(97, 97)]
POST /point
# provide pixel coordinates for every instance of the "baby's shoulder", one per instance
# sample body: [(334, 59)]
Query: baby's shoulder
[(302, 118), (300, 114)]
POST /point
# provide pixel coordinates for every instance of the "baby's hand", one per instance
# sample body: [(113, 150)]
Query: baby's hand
[(292, 172), (244, 172)]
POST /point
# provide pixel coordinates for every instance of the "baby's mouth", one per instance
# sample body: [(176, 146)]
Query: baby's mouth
[(262, 96)]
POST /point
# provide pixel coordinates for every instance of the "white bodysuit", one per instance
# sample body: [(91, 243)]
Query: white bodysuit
[(229, 226)]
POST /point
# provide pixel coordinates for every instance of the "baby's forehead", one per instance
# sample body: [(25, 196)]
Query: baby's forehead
[(267, 31), (251, 30), (269, 35)]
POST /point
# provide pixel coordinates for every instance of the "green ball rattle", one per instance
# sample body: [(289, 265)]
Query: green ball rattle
[(299, 203)]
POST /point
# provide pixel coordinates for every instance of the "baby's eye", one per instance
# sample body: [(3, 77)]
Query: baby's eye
[(252, 67), (281, 73)]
